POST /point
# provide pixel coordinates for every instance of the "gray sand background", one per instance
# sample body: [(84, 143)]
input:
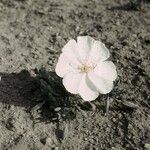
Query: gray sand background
[(32, 34)]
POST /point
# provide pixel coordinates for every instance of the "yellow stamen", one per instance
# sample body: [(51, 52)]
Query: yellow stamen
[(85, 68)]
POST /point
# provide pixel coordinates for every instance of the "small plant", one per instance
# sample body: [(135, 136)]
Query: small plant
[(84, 67), (54, 97)]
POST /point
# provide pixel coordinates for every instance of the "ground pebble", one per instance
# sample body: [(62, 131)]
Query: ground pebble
[(49, 141), (147, 146), (57, 109)]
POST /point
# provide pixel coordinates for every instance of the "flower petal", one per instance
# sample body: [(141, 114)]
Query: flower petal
[(87, 93), (106, 70), (102, 85), (70, 46), (71, 51), (84, 45), (62, 67), (71, 82), (98, 52)]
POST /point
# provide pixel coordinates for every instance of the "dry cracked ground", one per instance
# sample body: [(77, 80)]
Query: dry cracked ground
[(32, 34)]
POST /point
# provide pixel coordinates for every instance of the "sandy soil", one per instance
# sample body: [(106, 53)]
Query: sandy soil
[(32, 33)]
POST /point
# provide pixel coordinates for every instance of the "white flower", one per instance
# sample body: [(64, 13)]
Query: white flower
[(84, 68)]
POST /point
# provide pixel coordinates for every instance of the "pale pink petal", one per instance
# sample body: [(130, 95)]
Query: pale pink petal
[(70, 46), (86, 90), (102, 85), (106, 70), (99, 52), (71, 51), (71, 82), (64, 66), (84, 46)]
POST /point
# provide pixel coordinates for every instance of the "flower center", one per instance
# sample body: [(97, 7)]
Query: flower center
[(84, 68)]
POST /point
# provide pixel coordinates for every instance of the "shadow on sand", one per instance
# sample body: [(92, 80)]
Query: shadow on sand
[(41, 93), (17, 89), (44, 93)]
